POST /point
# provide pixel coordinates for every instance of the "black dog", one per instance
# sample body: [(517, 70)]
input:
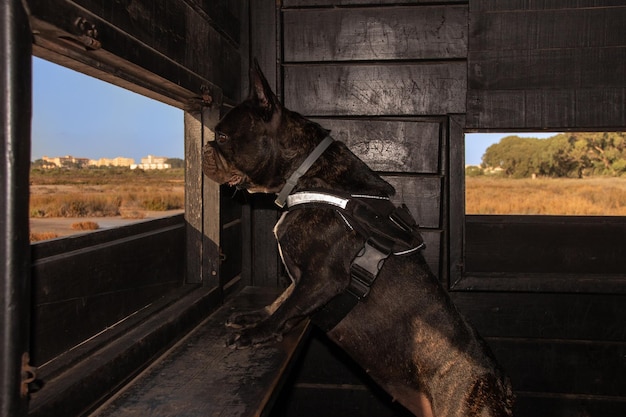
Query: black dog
[(340, 235)]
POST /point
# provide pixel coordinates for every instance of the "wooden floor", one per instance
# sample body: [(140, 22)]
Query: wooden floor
[(200, 376)]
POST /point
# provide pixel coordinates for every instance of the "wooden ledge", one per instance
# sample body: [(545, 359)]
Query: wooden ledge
[(92, 372), (200, 376)]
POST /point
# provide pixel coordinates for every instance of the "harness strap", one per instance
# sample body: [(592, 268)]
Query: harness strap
[(388, 230)]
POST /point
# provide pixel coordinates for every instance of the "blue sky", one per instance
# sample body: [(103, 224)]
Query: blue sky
[(477, 143), (78, 115)]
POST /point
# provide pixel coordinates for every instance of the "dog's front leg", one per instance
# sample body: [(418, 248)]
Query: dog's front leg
[(307, 295), (252, 318)]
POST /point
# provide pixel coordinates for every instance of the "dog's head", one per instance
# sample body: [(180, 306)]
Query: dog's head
[(251, 148)]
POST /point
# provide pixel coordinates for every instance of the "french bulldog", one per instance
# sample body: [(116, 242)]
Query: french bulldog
[(403, 330)]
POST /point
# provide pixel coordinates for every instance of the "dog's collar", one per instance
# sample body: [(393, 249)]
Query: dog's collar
[(302, 169)]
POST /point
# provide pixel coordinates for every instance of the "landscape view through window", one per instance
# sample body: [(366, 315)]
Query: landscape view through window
[(102, 156), (567, 173)]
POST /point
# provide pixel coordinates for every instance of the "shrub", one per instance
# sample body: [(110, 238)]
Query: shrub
[(85, 226)]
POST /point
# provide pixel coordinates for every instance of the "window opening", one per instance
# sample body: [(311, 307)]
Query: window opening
[(569, 173), (102, 156)]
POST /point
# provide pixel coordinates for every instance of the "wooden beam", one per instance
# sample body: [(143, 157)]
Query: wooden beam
[(15, 113)]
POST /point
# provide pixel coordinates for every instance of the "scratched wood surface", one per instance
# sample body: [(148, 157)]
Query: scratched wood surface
[(438, 32), (200, 376), (420, 89), (546, 65), (391, 145)]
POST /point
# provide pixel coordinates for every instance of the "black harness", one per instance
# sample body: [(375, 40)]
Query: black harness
[(388, 230)]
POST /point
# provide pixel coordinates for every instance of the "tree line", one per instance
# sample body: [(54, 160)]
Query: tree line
[(574, 155)]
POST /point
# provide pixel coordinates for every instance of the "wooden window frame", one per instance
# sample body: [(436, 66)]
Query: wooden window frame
[(586, 251)]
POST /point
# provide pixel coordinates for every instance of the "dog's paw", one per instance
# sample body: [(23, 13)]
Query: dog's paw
[(246, 320), (250, 339)]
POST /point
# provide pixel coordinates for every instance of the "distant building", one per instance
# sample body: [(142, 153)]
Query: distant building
[(66, 161), (120, 161), (152, 162)]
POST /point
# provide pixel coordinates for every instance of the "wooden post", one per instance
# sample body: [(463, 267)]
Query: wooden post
[(15, 114), (202, 202)]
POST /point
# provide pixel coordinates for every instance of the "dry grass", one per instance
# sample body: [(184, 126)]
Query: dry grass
[(558, 196), (103, 200), (85, 226), (36, 237), (104, 192)]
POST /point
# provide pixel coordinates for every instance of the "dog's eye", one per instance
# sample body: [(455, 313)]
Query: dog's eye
[(221, 137)]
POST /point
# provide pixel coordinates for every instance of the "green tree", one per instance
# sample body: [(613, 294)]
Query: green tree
[(563, 155), (518, 157)]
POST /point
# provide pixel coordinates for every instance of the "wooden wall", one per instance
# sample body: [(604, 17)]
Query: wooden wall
[(389, 81), (547, 292), (401, 82), (185, 53), (383, 79), (89, 292), (547, 65)]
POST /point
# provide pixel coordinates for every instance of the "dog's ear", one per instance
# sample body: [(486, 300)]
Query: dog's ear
[(261, 93)]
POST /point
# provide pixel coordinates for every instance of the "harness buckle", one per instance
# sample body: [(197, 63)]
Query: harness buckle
[(365, 267)]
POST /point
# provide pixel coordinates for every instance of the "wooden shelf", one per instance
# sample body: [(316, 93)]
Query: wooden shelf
[(200, 376)]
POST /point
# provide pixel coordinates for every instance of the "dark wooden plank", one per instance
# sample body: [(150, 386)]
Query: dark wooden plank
[(323, 362), (521, 5), (78, 293), (86, 383), (436, 32), (548, 69), (230, 251), (331, 400), (567, 26), (264, 41), (390, 145), (200, 376), (548, 65), (598, 108), (265, 257), (60, 326), (140, 260), (368, 89), (69, 358), (563, 367), (225, 15), (422, 195), (133, 44), (545, 404), (538, 316), (263, 251), (535, 244), (48, 248), (301, 3), (456, 197)]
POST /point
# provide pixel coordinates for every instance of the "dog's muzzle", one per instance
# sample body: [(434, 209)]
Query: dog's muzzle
[(217, 168)]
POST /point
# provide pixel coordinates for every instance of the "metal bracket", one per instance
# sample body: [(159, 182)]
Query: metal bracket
[(29, 374)]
